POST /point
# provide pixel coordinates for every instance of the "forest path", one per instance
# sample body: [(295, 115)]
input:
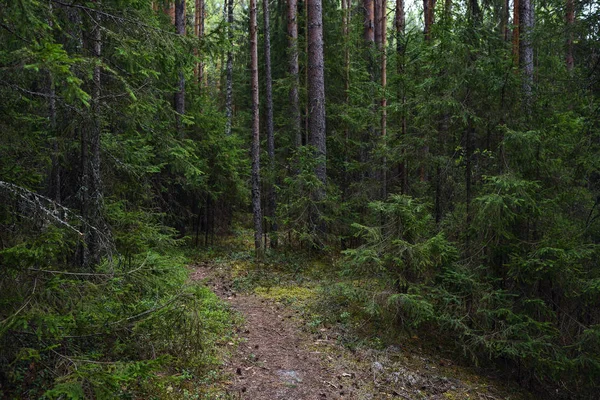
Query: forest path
[(275, 359), (279, 358)]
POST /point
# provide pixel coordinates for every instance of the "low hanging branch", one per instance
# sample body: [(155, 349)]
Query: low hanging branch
[(35, 206)]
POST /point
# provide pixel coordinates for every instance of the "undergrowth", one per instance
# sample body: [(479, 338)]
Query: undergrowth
[(127, 330)]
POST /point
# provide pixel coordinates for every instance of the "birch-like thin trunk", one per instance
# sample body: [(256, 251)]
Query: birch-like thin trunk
[(293, 70), (271, 201), (229, 71), (256, 208)]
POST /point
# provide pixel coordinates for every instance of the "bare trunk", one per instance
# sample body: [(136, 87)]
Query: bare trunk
[(229, 71), (516, 32), (428, 17), (526, 52), (400, 23), (504, 28), (468, 178), (570, 61), (271, 201), (199, 33), (369, 24), (346, 4), (292, 31), (54, 181), (369, 38), (256, 208), (170, 11), (316, 91), (55, 191), (180, 94), (95, 180), (383, 23), (377, 10)]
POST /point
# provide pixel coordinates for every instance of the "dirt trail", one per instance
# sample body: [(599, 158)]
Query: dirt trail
[(277, 359)]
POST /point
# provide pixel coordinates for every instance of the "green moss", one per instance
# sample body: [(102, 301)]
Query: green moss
[(287, 294)]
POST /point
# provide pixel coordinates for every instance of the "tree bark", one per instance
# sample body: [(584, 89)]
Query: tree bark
[(504, 28), (199, 33), (570, 61), (95, 180), (272, 203), (54, 181), (400, 24), (346, 4), (256, 206), (293, 69), (383, 24), (180, 94), (229, 71), (428, 17), (316, 91), (516, 32), (377, 10), (526, 51), (369, 42)]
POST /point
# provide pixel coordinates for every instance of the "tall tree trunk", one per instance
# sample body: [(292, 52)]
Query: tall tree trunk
[(377, 11), (570, 61), (400, 23), (272, 203), (369, 24), (316, 91), (526, 51), (468, 180), (180, 94), (170, 11), (428, 17), (199, 33), (54, 180), (504, 28), (516, 38), (369, 38), (256, 208), (383, 23), (346, 4), (293, 70), (229, 71), (95, 181)]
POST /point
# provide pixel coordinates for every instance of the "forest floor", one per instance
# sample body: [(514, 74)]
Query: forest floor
[(286, 350)]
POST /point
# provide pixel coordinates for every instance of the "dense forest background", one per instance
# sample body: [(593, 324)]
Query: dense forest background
[(446, 151)]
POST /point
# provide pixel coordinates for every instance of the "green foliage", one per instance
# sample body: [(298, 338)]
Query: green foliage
[(400, 251), (107, 334)]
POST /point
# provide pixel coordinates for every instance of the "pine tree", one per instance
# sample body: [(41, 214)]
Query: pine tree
[(256, 206)]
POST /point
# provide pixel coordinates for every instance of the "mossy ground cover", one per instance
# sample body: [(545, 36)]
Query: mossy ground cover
[(370, 350)]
